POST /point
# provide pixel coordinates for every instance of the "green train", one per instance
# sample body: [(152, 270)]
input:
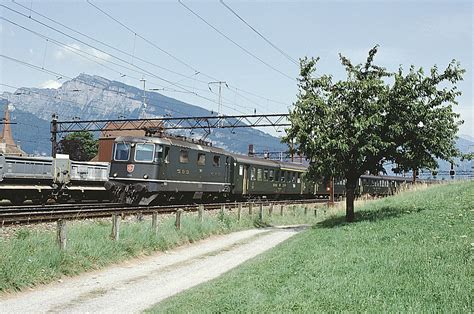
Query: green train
[(157, 170)]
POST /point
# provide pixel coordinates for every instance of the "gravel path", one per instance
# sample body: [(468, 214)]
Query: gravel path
[(139, 284)]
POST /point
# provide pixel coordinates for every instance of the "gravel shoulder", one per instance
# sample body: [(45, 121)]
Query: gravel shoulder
[(138, 284)]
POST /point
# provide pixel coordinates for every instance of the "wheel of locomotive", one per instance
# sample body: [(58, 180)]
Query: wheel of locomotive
[(40, 200), (17, 200)]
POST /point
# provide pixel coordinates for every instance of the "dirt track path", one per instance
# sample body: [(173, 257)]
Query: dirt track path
[(137, 285)]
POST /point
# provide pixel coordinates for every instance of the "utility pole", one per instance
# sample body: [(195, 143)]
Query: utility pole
[(144, 98), (54, 135), (219, 107)]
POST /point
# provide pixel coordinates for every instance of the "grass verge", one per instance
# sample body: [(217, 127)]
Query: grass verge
[(412, 252), (32, 257)]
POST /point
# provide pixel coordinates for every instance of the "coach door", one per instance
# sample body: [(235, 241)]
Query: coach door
[(245, 179)]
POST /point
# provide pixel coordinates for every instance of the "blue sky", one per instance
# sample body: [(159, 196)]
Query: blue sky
[(422, 33)]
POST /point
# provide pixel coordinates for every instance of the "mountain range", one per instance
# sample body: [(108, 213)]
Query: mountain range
[(93, 97), (90, 97)]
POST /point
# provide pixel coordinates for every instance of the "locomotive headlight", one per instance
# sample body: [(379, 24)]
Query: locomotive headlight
[(115, 174), (145, 176)]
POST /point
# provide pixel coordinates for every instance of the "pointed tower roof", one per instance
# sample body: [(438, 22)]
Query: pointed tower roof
[(7, 136), (7, 143)]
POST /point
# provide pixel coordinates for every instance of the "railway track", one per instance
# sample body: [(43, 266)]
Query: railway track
[(20, 215)]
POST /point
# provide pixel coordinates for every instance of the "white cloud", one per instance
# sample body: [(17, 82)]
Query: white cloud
[(59, 54), (51, 84), (66, 51), (99, 54), (70, 50)]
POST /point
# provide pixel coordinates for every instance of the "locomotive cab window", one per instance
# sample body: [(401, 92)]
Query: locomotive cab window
[(201, 160), (122, 151), (183, 156), (216, 161), (144, 152), (158, 153), (167, 154)]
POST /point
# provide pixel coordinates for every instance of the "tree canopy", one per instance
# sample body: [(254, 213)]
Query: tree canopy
[(372, 117), (80, 146)]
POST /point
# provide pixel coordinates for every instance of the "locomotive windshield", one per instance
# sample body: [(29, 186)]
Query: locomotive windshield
[(122, 151), (144, 152)]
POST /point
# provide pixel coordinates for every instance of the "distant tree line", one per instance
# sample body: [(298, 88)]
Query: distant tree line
[(80, 146)]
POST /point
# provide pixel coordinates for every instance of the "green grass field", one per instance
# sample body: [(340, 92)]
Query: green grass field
[(32, 257), (412, 252)]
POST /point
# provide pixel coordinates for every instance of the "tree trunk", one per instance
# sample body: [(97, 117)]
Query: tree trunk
[(350, 196)]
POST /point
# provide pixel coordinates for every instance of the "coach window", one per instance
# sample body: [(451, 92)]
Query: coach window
[(122, 151), (201, 161), (271, 175), (144, 152), (259, 174), (216, 161), (241, 170), (298, 177), (252, 174), (283, 176), (277, 175), (183, 156), (265, 175)]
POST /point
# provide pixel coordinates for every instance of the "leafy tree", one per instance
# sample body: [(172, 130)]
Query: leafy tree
[(80, 146), (353, 126)]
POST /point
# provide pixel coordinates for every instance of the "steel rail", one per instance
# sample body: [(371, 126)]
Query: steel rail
[(54, 207), (51, 215)]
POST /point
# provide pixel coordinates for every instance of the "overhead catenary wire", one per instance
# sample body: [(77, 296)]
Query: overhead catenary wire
[(72, 102), (114, 56), (91, 38), (235, 43), (286, 55), (136, 34), (131, 55), (143, 38)]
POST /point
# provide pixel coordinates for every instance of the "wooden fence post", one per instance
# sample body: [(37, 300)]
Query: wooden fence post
[(201, 213), (281, 210), (178, 219), (154, 222), (139, 216), (222, 209), (306, 210), (250, 209), (270, 209), (61, 234), (239, 212), (315, 212), (260, 212), (115, 227)]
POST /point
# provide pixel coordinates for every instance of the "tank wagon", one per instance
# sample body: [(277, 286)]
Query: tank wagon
[(41, 178), (151, 170)]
